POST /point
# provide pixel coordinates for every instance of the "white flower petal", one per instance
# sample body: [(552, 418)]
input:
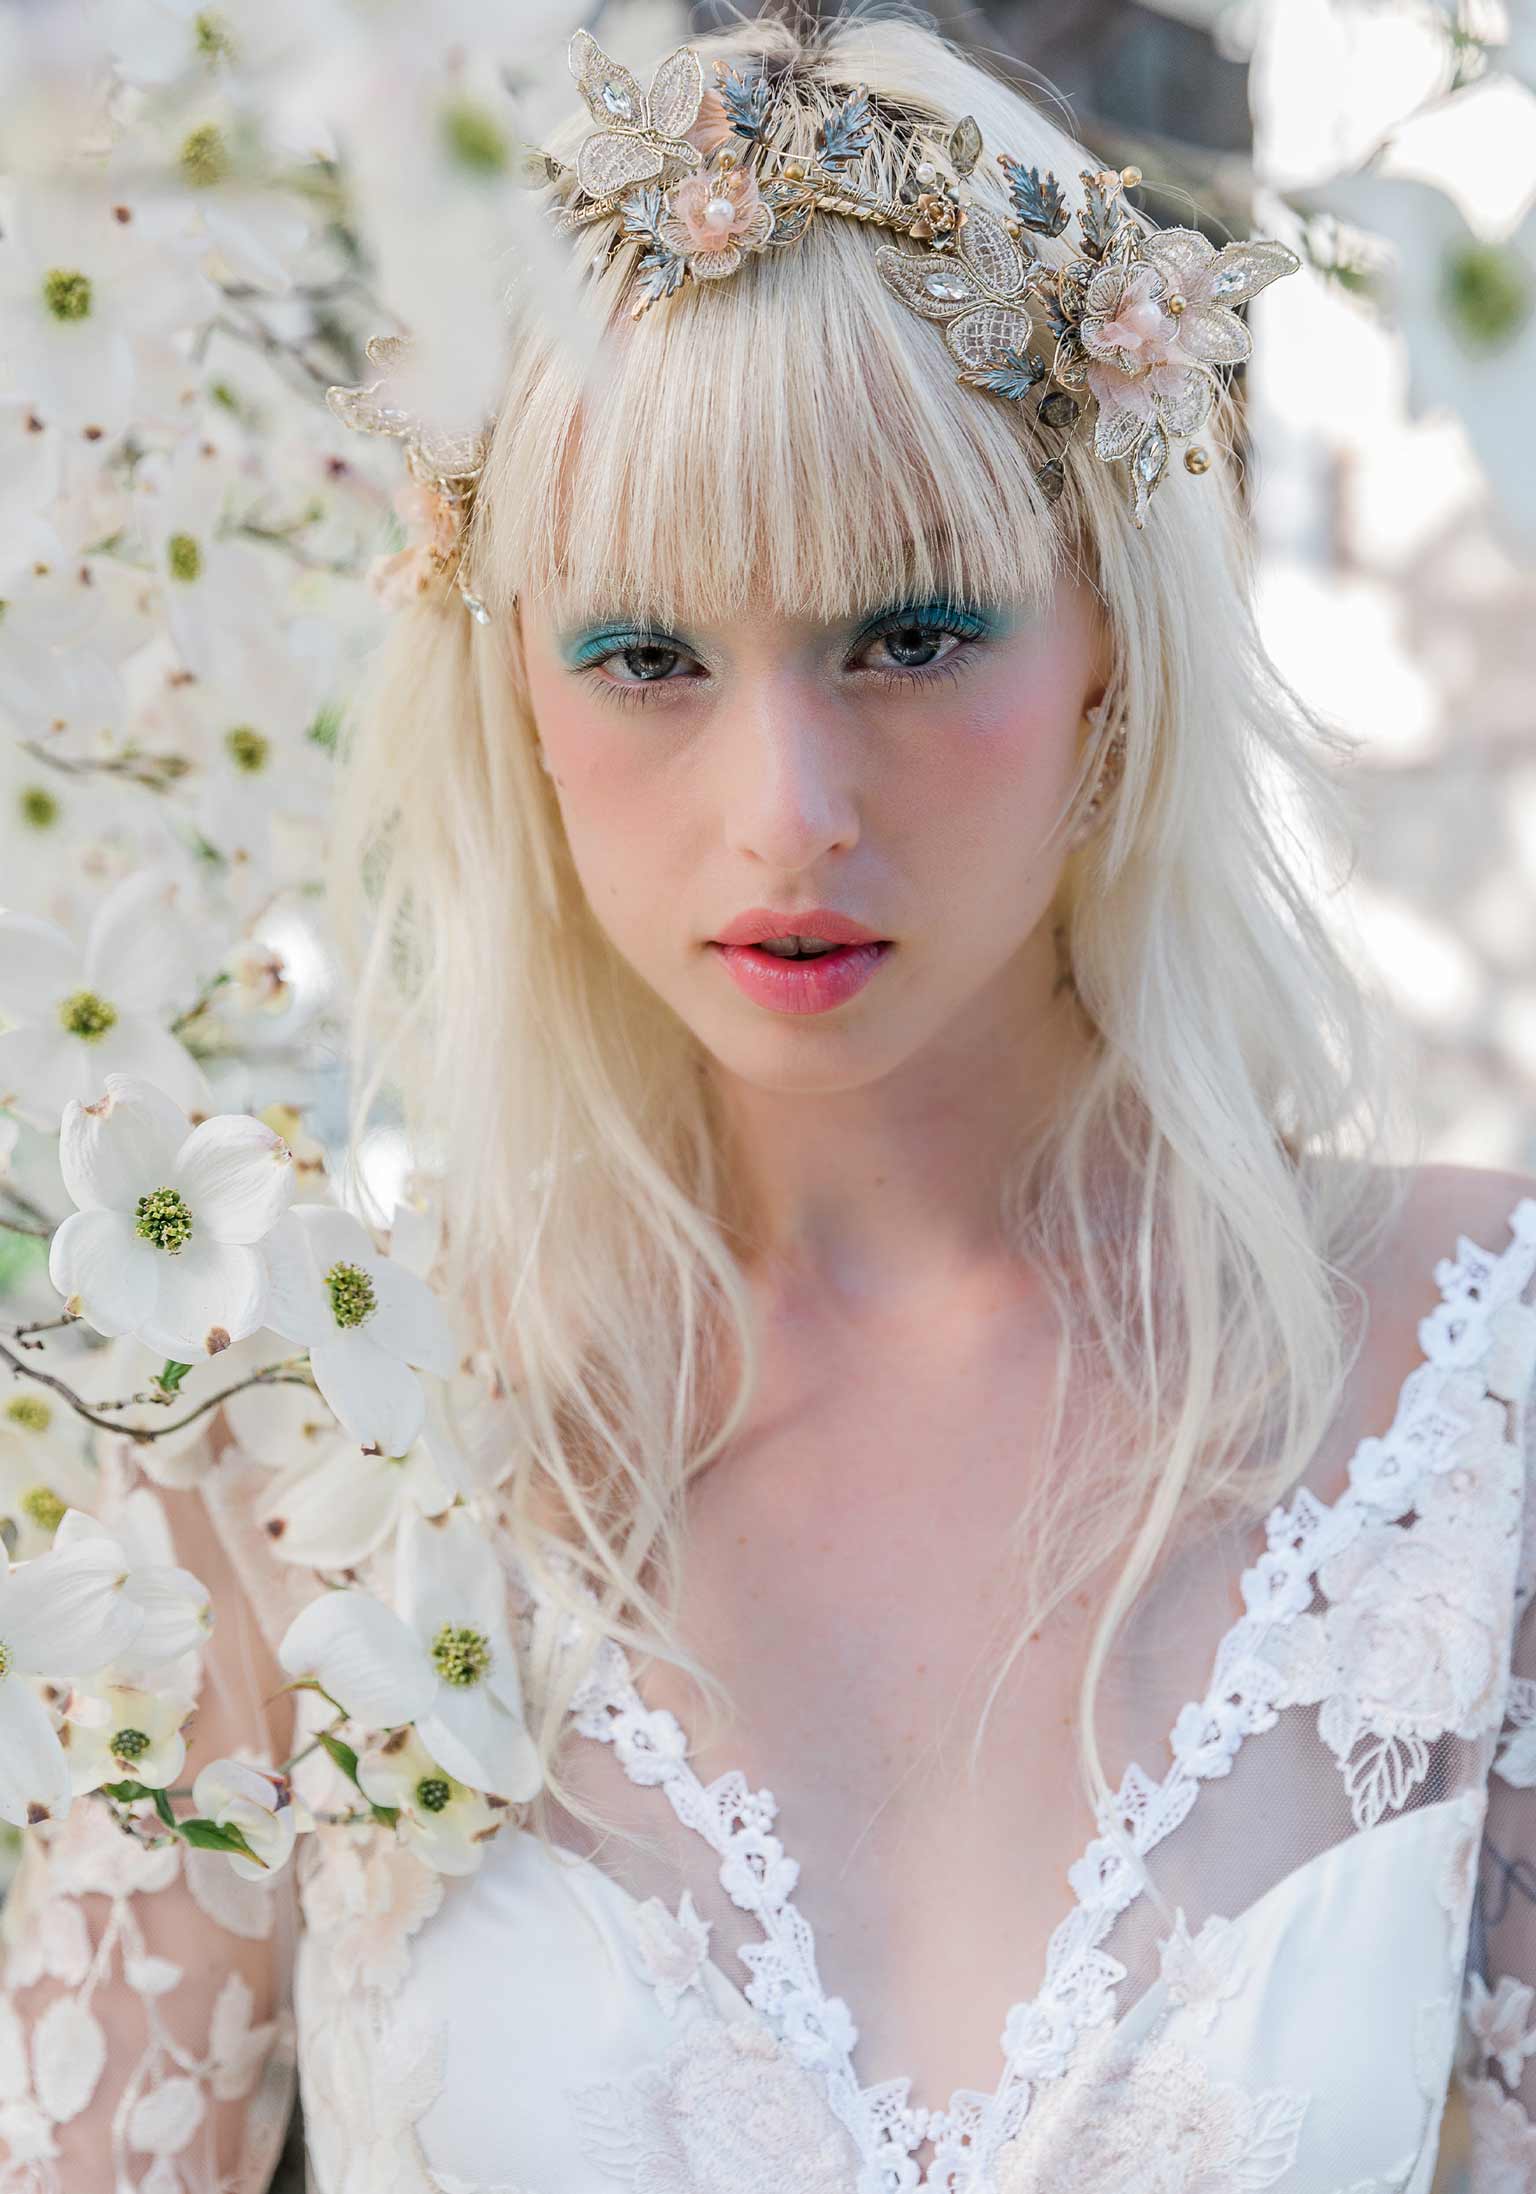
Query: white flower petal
[(410, 1321), (122, 1145), (40, 965), (330, 1512), (177, 1614), (38, 1073), (136, 952), (363, 1655), (208, 1289), (98, 1256), (236, 1174), (377, 1398), (66, 1612), (143, 1048), (298, 1307), (34, 1774), (481, 1744)]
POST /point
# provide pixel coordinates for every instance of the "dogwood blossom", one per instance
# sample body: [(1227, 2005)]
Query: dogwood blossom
[(82, 1012), (164, 1242), (442, 1820), (124, 1733), (43, 1471), (364, 1320), (62, 1615), (445, 1661), (333, 1509)]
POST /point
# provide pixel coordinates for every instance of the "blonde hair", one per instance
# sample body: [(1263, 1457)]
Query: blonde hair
[(1239, 1075)]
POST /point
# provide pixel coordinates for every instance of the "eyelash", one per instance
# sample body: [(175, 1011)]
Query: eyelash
[(951, 667)]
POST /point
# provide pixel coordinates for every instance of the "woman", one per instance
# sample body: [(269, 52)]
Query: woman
[(1004, 1463)]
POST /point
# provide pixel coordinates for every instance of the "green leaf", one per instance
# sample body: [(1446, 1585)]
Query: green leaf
[(209, 1836), (343, 1755), (170, 1377), (126, 1793), (163, 1808)]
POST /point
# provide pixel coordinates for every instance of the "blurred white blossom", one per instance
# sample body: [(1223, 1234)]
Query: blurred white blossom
[(82, 1012)]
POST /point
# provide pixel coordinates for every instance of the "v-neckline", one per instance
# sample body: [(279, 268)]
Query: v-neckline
[(1080, 1985)]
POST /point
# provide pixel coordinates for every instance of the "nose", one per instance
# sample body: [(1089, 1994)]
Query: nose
[(789, 774)]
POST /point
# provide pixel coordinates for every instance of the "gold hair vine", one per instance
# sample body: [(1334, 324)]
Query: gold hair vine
[(1137, 321)]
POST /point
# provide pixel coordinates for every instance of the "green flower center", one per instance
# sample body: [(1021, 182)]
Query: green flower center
[(460, 1655), (5, 1658), (29, 1411), (67, 293), (43, 1507), (210, 34), (1488, 294), (351, 1292), (204, 156), (85, 1014), (247, 748), (433, 1793), (163, 1218), (37, 807), (183, 557), (474, 139), (129, 1744)]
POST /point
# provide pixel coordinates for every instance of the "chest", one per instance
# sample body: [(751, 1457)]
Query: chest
[(855, 1573)]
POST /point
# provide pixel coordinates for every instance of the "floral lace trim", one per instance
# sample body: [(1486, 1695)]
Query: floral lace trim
[(164, 2099), (1446, 1444)]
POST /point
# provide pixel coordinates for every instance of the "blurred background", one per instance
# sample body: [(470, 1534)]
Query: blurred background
[(1391, 465)]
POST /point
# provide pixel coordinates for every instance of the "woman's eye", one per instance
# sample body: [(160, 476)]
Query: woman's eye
[(644, 663), (915, 645)]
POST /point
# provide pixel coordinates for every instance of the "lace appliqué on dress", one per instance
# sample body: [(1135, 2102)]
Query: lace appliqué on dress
[(1151, 2122), (165, 2096), (725, 2111)]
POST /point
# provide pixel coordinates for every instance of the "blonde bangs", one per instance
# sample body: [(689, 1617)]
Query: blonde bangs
[(789, 437)]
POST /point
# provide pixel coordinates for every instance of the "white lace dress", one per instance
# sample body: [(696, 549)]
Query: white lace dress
[(1344, 1827)]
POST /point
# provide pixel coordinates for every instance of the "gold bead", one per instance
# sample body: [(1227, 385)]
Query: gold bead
[(1014, 228), (794, 170), (1130, 177), (1196, 459), (1175, 305)]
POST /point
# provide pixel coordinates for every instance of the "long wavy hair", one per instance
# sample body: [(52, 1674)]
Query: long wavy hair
[(1240, 1073)]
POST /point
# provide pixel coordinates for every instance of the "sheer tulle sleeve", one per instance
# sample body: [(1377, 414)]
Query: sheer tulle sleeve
[(1497, 2056), (145, 2040)]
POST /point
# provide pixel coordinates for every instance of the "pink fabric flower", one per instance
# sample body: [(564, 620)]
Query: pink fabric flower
[(712, 218), (711, 127)]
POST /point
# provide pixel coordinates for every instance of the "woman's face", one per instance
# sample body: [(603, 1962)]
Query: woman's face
[(906, 768)]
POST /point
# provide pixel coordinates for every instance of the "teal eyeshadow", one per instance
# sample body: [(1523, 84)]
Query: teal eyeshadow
[(583, 648)]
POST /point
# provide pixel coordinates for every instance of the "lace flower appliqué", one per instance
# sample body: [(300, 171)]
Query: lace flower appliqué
[(725, 2111), (1202, 1972), (1151, 2123), (671, 1949)]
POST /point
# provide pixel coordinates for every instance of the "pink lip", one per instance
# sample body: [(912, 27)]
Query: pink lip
[(826, 923), (801, 986)]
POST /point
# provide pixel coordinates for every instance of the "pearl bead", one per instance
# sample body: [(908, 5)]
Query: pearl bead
[(719, 213), (926, 171)]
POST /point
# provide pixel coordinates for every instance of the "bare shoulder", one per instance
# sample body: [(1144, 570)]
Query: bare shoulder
[(1444, 1202), (1436, 1206)]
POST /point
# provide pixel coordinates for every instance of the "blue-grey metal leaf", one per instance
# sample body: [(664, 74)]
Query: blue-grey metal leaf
[(642, 211), (1038, 200), (659, 274), (845, 135), (1014, 374), (749, 103)]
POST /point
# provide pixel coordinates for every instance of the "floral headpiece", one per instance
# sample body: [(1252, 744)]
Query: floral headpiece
[(1132, 327)]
